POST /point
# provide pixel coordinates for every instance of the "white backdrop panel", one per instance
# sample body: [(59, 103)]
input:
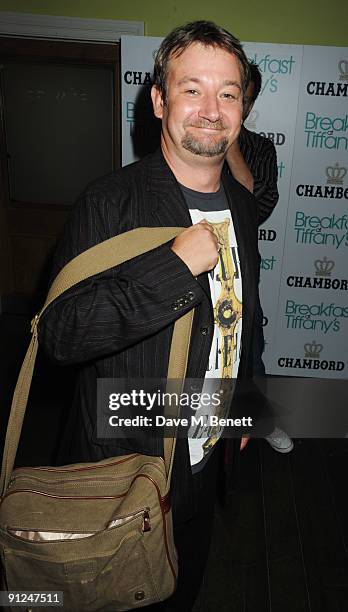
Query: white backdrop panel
[(313, 306), (137, 59), (281, 70)]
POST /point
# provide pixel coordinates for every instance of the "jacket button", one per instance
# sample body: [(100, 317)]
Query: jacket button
[(139, 595), (204, 331), (191, 296), (175, 306)]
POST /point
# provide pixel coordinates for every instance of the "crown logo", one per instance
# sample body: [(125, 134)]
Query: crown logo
[(335, 174), (252, 118), (343, 70), (313, 349), (323, 267)]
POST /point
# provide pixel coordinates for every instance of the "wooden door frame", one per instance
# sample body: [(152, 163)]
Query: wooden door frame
[(14, 49), (14, 25), (67, 28)]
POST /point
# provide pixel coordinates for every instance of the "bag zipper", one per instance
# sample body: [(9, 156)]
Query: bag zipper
[(72, 469), (95, 480), (92, 479), (144, 512)]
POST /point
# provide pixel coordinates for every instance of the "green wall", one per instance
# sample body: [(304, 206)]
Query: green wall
[(312, 22)]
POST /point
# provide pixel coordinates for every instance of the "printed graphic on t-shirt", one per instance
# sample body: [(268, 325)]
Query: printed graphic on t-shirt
[(226, 294), (228, 307)]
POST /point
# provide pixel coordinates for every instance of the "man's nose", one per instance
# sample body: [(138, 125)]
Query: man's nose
[(210, 108)]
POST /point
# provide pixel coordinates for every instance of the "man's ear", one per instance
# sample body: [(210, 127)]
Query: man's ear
[(251, 106), (157, 102), (248, 110)]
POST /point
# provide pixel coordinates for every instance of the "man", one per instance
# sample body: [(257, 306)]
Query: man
[(252, 159), (119, 324)]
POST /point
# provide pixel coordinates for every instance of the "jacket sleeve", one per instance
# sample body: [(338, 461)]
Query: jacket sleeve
[(120, 307), (265, 173), (260, 155)]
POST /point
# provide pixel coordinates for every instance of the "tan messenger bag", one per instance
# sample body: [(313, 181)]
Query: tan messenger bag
[(99, 532)]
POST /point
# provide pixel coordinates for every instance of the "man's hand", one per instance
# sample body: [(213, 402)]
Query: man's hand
[(238, 166), (244, 441), (197, 246)]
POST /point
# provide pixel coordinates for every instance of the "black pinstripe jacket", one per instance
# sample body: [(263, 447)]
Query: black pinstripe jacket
[(120, 323)]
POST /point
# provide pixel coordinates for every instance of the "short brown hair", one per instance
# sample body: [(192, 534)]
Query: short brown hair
[(205, 32)]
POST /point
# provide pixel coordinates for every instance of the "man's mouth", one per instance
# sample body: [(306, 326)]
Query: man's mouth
[(209, 129), (217, 127)]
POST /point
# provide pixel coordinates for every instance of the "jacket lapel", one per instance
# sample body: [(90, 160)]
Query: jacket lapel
[(166, 203), (244, 228)]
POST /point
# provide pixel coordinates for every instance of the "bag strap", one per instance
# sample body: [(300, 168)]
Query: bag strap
[(107, 254)]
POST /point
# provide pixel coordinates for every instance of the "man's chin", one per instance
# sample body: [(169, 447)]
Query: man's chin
[(205, 149)]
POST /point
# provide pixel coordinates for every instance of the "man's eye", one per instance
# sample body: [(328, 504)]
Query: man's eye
[(229, 96), (191, 91)]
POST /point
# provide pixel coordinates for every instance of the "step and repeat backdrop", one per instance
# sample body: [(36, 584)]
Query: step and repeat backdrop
[(303, 109)]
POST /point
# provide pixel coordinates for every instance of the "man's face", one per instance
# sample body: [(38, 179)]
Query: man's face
[(203, 110)]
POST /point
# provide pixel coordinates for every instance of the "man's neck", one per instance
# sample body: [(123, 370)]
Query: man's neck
[(199, 173)]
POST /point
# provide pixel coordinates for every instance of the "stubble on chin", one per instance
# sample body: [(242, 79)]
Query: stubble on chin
[(205, 149), (208, 147)]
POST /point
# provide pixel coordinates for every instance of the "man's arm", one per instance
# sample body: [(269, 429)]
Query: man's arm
[(265, 180), (239, 168), (126, 304), (255, 156)]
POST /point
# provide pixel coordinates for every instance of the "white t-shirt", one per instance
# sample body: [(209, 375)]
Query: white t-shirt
[(226, 294)]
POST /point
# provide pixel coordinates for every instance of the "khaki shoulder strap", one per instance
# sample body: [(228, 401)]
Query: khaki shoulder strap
[(101, 257)]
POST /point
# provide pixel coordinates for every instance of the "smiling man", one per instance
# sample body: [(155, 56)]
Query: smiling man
[(120, 323), (201, 111)]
